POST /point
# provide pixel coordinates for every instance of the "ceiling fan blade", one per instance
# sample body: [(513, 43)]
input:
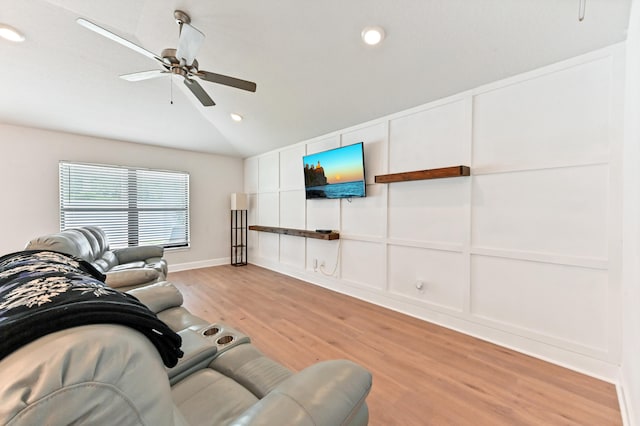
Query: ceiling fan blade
[(108, 34), (189, 44), (199, 92), (227, 81), (143, 75)]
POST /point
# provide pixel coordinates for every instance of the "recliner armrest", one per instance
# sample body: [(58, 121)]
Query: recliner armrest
[(327, 393), (159, 296), (131, 277), (133, 254), (198, 351)]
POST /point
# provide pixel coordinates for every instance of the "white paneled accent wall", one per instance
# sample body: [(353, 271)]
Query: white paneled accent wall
[(429, 212), (630, 367), (559, 211), (566, 304), (431, 138), (525, 252), (437, 278)]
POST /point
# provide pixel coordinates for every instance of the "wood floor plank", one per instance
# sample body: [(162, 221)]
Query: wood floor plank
[(423, 374)]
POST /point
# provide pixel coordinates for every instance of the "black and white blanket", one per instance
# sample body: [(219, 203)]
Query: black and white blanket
[(44, 291)]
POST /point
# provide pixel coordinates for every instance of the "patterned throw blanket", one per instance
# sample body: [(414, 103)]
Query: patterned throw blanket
[(44, 291)]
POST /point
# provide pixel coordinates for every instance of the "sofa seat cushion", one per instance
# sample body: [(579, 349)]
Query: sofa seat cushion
[(130, 265), (304, 398), (207, 397), (154, 264), (158, 264), (248, 366), (126, 279), (106, 261)]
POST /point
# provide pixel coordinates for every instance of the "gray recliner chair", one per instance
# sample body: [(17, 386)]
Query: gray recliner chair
[(126, 268)]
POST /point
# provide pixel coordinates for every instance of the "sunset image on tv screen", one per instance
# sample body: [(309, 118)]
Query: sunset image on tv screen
[(337, 173)]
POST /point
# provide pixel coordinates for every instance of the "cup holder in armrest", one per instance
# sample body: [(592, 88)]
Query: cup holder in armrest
[(211, 331), (225, 340), (222, 336)]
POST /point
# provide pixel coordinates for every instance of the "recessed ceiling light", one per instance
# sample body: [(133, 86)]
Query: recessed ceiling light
[(372, 35), (236, 117), (9, 33)]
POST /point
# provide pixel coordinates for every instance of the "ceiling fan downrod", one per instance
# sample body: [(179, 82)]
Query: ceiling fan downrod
[(582, 6)]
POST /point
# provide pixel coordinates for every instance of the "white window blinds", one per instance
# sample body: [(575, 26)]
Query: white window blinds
[(134, 206)]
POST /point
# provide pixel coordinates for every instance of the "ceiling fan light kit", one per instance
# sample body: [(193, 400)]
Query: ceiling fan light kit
[(372, 35), (180, 61)]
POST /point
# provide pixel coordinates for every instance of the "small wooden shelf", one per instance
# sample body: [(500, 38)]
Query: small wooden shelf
[(445, 172), (296, 232)]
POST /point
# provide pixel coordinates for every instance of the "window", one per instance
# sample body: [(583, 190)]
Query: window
[(134, 206)]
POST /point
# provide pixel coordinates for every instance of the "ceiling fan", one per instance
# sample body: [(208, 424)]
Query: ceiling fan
[(181, 61)]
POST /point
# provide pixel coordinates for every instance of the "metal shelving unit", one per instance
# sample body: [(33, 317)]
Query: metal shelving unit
[(238, 237)]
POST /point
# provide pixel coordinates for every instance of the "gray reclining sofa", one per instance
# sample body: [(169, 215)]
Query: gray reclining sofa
[(115, 372)]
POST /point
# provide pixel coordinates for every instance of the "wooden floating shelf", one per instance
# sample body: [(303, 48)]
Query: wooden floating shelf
[(445, 172), (296, 232)]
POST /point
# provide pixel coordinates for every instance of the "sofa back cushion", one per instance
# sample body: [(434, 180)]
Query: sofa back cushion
[(100, 237), (93, 374), (92, 240), (105, 259), (71, 241)]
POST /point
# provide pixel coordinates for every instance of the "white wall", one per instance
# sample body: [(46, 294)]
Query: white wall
[(30, 205), (630, 371), (526, 252)]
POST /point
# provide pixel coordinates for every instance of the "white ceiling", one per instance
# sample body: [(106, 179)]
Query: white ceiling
[(314, 74)]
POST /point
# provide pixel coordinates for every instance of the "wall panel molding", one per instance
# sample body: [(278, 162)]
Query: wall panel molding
[(539, 215)]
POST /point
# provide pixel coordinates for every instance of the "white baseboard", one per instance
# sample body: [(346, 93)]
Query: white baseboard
[(624, 407), (199, 264), (563, 357)]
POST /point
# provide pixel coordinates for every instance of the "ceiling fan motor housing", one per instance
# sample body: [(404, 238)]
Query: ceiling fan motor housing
[(172, 62)]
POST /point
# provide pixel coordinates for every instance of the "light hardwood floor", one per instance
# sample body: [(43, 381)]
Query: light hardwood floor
[(423, 374)]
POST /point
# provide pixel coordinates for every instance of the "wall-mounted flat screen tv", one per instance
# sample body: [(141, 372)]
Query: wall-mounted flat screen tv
[(336, 173)]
